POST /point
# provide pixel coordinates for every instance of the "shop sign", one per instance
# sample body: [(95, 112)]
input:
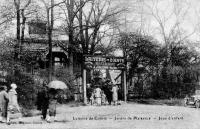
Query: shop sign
[(103, 62)]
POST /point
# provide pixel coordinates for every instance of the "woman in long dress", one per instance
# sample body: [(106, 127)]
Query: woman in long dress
[(13, 103), (98, 96), (13, 106), (115, 94), (52, 105)]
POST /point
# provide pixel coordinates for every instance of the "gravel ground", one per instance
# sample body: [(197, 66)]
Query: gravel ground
[(125, 116)]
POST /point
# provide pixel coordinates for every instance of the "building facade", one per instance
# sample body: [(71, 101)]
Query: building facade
[(35, 49)]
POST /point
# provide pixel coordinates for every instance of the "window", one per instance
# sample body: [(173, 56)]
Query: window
[(37, 28)]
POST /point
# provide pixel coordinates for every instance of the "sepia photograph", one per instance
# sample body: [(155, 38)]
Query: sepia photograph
[(99, 64)]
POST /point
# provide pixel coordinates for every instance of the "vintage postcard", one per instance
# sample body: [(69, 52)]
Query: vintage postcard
[(99, 64)]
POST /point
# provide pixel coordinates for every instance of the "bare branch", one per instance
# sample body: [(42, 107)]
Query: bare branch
[(57, 4)]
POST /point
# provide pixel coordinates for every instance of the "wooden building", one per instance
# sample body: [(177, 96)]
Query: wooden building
[(35, 49)]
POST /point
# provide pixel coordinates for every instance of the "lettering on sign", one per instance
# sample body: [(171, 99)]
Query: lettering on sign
[(99, 62)]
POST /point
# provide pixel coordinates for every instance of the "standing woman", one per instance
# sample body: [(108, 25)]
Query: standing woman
[(98, 95), (52, 105), (13, 106), (13, 103), (115, 94), (3, 104)]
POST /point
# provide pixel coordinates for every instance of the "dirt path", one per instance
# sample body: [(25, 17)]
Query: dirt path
[(126, 116)]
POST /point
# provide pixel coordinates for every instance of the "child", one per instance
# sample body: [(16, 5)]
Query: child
[(92, 99), (103, 98)]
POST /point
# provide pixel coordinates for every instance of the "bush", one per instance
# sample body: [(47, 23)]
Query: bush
[(27, 89), (165, 89), (62, 74)]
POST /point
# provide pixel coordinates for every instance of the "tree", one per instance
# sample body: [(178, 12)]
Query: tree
[(19, 7), (142, 54), (70, 12), (174, 32), (50, 22), (50, 26), (177, 57), (96, 24), (86, 22), (6, 16)]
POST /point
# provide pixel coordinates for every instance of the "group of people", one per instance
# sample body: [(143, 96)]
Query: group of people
[(46, 103), (8, 103), (104, 96)]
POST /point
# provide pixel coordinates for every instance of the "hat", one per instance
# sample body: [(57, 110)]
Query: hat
[(14, 86)]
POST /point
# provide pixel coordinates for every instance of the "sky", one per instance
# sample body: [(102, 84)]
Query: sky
[(140, 10), (189, 17)]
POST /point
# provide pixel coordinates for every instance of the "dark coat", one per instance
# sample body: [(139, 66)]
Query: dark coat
[(42, 99), (108, 93), (4, 102)]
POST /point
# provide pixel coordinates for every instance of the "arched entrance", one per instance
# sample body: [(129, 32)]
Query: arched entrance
[(106, 63)]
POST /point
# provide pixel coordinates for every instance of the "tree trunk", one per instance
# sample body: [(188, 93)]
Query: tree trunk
[(94, 37), (17, 34), (50, 28), (23, 29), (71, 37)]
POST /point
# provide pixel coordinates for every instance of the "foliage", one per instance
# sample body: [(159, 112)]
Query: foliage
[(62, 74), (141, 51), (89, 28), (167, 71), (178, 76), (27, 88), (175, 85), (155, 72)]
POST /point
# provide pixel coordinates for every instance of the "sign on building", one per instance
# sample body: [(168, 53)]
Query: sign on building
[(103, 62)]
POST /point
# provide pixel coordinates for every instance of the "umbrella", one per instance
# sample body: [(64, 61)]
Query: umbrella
[(57, 85)]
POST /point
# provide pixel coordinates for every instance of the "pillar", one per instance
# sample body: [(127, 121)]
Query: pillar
[(125, 87), (84, 87)]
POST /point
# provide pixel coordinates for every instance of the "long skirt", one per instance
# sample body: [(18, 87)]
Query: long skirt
[(115, 97), (98, 99), (13, 112), (3, 110), (52, 108)]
